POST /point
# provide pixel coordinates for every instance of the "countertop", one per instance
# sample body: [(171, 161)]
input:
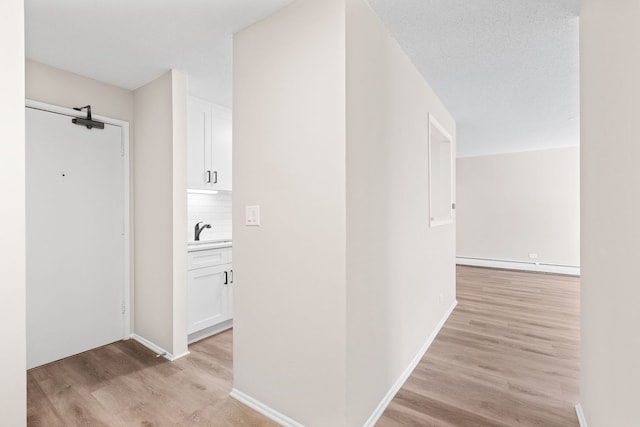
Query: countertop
[(203, 245)]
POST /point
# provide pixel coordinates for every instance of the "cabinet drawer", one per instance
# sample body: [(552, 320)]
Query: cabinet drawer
[(208, 258)]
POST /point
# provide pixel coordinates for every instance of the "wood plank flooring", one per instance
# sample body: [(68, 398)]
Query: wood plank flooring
[(124, 384), (508, 356)]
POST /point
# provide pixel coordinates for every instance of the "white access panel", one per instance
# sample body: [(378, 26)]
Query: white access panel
[(75, 236)]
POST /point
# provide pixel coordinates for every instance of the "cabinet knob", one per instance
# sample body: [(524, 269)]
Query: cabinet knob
[(208, 176), (226, 278)]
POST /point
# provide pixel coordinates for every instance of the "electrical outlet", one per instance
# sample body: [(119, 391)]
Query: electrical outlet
[(533, 256)]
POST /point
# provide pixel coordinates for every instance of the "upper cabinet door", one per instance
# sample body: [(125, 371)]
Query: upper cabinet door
[(221, 144), (209, 148), (199, 145)]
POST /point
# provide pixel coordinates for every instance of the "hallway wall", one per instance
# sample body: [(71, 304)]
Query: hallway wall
[(13, 394), (610, 208), (516, 204)]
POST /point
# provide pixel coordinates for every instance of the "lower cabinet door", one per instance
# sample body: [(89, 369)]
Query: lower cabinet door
[(207, 296), (230, 295)]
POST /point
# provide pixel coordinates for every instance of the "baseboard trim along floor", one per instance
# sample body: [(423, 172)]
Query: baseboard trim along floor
[(157, 349), (265, 410), (514, 265), (210, 331), (581, 419), (377, 413)]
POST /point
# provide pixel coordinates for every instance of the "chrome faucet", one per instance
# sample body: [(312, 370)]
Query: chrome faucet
[(199, 229)]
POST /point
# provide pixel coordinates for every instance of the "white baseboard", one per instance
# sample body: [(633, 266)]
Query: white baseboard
[(265, 410), (377, 413), (157, 349), (210, 331), (514, 265), (581, 419), (180, 356)]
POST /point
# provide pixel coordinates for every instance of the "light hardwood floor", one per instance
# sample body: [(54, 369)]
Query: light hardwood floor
[(507, 356), (124, 384)]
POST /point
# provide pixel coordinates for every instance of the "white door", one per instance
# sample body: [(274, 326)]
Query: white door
[(75, 237)]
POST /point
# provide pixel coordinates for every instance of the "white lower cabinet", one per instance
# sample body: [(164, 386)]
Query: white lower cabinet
[(209, 293)]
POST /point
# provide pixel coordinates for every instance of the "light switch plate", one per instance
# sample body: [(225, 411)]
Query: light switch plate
[(252, 215)]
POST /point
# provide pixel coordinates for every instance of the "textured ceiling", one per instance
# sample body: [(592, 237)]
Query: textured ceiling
[(506, 69)]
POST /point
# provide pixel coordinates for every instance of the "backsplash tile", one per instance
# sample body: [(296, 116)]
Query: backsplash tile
[(214, 209)]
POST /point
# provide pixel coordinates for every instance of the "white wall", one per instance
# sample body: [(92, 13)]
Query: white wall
[(59, 87), (610, 208), (511, 205), (288, 158), (396, 265), (13, 394), (338, 289), (179, 93), (160, 212)]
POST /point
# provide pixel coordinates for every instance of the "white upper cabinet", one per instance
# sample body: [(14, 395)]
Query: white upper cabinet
[(221, 140), (209, 149), (199, 144)]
